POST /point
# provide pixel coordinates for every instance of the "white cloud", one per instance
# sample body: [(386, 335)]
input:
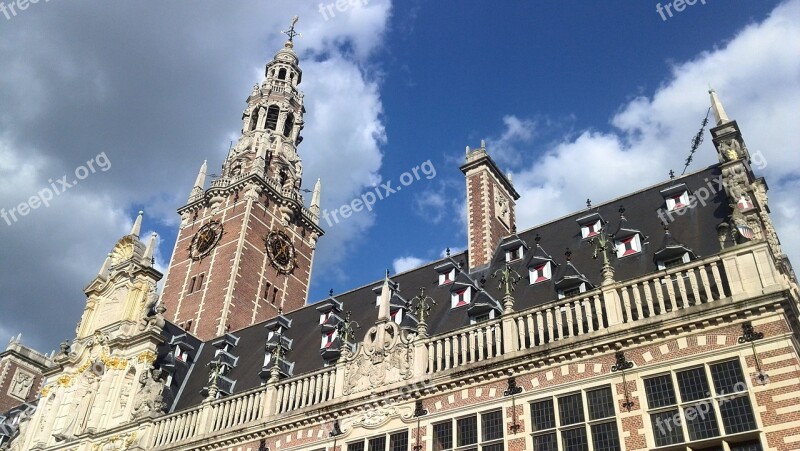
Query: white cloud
[(403, 264), (757, 76)]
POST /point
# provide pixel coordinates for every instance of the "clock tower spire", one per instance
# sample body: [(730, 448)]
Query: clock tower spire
[(246, 243)]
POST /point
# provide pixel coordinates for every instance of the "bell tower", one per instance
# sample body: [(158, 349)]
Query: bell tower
[(246, 243)]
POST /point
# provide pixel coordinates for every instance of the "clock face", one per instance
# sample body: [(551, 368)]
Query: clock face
[(205, 239), (280, 252)]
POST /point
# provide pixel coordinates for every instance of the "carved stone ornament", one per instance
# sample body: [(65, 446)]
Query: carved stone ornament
[(374, 417), (117, 442), (148, 401), (21, 384), (385, 357)]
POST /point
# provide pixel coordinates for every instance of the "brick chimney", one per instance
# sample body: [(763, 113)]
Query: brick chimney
[(490, 205)]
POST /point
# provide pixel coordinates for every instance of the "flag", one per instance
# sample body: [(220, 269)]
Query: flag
[(745, 231)]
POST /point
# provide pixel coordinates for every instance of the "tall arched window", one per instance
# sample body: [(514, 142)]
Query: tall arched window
[(272, 117), (254, 119), (288, 124), (282, 74)]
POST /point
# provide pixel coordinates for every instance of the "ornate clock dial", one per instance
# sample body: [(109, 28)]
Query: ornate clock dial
[(205, 239), (280, 251)]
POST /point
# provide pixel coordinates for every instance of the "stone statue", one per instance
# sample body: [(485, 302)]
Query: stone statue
[(84, 392), (149, 400), (731, 150)]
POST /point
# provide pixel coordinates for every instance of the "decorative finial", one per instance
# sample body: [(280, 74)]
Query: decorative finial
[(537, 239), (621, 211), (387, 273), (671, 174), (508, 279), (347, 328), (448, 251), (482, 281), (568, 254), (330, 292), (421, 306), (588, 203), (291, 32), (514, 229)]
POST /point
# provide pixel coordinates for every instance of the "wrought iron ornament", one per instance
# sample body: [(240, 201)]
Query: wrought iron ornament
[(291, 32), (508, 279), (749, 334), (421, 305), (623, 364), (513, 388)]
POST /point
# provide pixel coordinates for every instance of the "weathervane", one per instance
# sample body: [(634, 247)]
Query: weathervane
[(291, 33)]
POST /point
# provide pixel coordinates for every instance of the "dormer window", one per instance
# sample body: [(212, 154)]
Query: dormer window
[(676, 197), (460, 298), (572, 291), (181, 354), (328, 338), (541, 272), (397, 315), (483, 317), (323, 317), (591, 229), (629, 245), (514, 254), (674, 261), (447, 277)]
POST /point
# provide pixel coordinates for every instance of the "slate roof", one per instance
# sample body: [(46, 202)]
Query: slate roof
[(695, 229)]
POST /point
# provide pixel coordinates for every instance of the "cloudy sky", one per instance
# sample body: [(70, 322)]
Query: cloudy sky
[(576, 99)]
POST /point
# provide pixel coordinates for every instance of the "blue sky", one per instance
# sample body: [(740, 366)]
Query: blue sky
[(575, 99)]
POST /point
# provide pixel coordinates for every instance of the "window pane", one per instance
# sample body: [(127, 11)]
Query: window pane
[(377, 444), (600, 403), (495, 447), (570, 409), (545, 442), (752, 445), (442, 436), (660, 392), (728, 377), (358, 446), (666, 427), (701, 422), (693, 384), (575, 440), (492, 426), (605, 437), (543, 416), (398, 441), (467, 431), (737, 415)]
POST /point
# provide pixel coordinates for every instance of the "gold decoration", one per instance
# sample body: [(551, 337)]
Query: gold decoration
[(46, 390), (118, 441), (147, 357)]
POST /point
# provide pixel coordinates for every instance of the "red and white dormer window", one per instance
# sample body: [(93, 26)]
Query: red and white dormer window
[(514, 254), (323, 317), (540, 272), (328, 338), (460, 297), (181, 354), (629, 245), (397, 315), (447, 277), (677, 201), (591, 229)]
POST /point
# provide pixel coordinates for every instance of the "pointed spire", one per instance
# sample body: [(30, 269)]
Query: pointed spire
[(315, 198), (104, 269), (719, 111), (200, 182), (137, 225), (148, 253), (386, 297)]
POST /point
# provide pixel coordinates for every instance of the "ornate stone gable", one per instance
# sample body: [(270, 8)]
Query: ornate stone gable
[(385, 357)]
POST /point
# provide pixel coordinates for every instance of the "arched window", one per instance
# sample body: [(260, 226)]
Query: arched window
[(288, 124), (254, 119), (282, 74), (272, 117)]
